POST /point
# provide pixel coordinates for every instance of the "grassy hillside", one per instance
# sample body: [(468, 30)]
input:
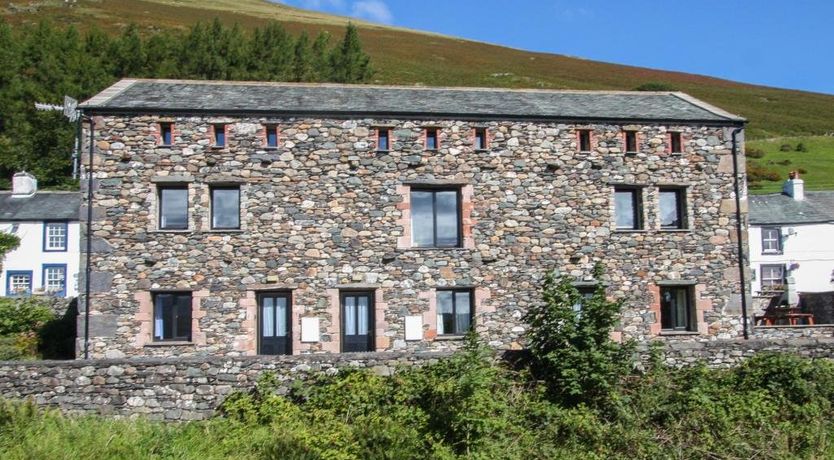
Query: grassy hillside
[(410, 57), (816, 164)]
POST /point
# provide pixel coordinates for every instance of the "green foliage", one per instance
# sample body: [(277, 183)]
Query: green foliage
[(572, 349), (8, 242), (23, 315), (785, 148), (754, 153), (800, 147), (655, 86), (42, 63), (769, 171)]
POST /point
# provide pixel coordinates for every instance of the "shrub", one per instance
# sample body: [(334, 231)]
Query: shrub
[(755, 153), (785, 162), (785, 148), (655, 86), (802, 171), (800, 147), (21, 315), (758, 173)]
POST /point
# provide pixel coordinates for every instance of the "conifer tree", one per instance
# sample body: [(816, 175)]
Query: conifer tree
[(349, 64), (303, 59)]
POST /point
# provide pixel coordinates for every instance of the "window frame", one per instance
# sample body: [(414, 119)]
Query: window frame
[(680, 205), (484, 144), (159, 200), (458, 212), (435, 134), (44, 279), (675, 137), (471, 292), (580, 134), (46, 225), (778, 240), (162, 131), (631, 137), (10, 274), (379, 131), (637, 211), (213, 188), (155, 301), (763, 286), (214, 133), (691, 321), (271, 128)]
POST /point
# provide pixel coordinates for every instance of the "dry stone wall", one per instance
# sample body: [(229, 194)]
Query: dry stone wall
[(325, 212)]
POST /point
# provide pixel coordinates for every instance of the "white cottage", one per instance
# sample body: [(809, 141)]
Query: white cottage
[(792, 238), (47, 260)]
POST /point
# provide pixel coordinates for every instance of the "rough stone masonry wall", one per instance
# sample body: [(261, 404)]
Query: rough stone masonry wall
[(325, 211), (192, 388)]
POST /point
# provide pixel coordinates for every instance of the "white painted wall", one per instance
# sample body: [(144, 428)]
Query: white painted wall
[(30, 255), (811, 247)]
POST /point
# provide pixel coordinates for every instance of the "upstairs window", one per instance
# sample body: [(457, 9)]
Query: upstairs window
[(383, 141), (431, 139), (676, 312), (173, 208), (166, 133), (454, 311), (672, 208), (631, 141), (55, 236), (225, 207), (435, 218), (675, 145), (219, 131), (584, 140), (771, 240), (272, 136), (172, 316), (628, 208), (480, 139), (773, 277)]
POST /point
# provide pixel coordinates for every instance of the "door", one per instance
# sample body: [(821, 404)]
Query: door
[(275, 335), (357, 321)]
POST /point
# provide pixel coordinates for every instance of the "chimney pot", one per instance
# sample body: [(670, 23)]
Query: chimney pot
[(794, 187), (24, 184)]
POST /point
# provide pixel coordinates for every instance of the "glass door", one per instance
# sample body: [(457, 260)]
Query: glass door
[(357, 321), (275, 336)]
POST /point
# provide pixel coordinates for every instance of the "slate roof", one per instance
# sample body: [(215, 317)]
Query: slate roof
[(184, 96), (40, 206), (817, 207)]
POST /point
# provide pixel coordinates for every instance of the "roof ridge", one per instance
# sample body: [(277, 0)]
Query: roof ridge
[(708, 107)]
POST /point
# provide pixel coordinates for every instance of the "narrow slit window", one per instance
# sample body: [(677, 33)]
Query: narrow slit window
[(383, 143), (219, 135), (584, 140), (431, 139), (166, 133), (631, 141), (675, 145), (272, 136), (480, 139)]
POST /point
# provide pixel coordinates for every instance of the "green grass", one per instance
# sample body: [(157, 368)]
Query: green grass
[(817, 162), (410, 57)]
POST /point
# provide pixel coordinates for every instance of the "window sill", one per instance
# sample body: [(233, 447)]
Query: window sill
[(434, 249), (625, 230), (172, 343), (165, 146), (675, 230), (273, 148), (449, 337), (172, 231), (218, 147), (772, 254), (224, 230), (679, 333), (55, 250)]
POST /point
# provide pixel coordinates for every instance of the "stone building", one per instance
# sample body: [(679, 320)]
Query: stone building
[(245, 218)]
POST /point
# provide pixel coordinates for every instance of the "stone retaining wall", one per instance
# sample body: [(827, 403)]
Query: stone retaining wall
[(191, 388)]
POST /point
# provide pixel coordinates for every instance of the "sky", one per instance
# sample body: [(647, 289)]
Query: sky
[(782, 43)]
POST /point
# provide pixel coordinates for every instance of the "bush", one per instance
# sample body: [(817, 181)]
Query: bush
[(755, 153), (758, 173), (800, 147), (21, 315), (785, 148), (655, 86)]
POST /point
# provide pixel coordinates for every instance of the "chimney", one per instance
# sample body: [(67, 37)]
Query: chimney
[(794, 186), (24, 185)]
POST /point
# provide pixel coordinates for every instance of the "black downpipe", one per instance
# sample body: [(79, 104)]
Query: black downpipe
[(88, 262), (740, 234)]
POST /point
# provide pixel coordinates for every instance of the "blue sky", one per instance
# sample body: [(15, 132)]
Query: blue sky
[(787, 43)]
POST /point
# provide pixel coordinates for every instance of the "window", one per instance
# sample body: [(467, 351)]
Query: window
[(272, 136), (225, 207), (584, 140), (773, 277), (357, 321), (585, 293), (383, 142), (219, 135), (55, 279), (18, 283), (166, 133), (771, 240), (454, 311), (675, 145), (672, 208), (431, 138), (631, 141), (435, 218), (628, 208), (172, 316), (55, 236), (173, 208), (480, 139), (676, 308)]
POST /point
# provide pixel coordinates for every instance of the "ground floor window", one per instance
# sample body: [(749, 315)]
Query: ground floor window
[(454, 311), (18, 283), (676, 312), (172, 316)]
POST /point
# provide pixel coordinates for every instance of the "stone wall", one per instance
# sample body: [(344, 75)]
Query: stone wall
[(192, 388), (326, 212)]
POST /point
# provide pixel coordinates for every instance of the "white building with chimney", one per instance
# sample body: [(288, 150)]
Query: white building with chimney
[(47, 260), (792, 242)]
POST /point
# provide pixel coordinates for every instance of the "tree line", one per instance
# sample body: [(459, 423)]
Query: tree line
[(42, 63)]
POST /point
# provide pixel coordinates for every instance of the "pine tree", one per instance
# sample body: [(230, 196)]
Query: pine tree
[(321, 57), (303, 59), (349, 64)]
